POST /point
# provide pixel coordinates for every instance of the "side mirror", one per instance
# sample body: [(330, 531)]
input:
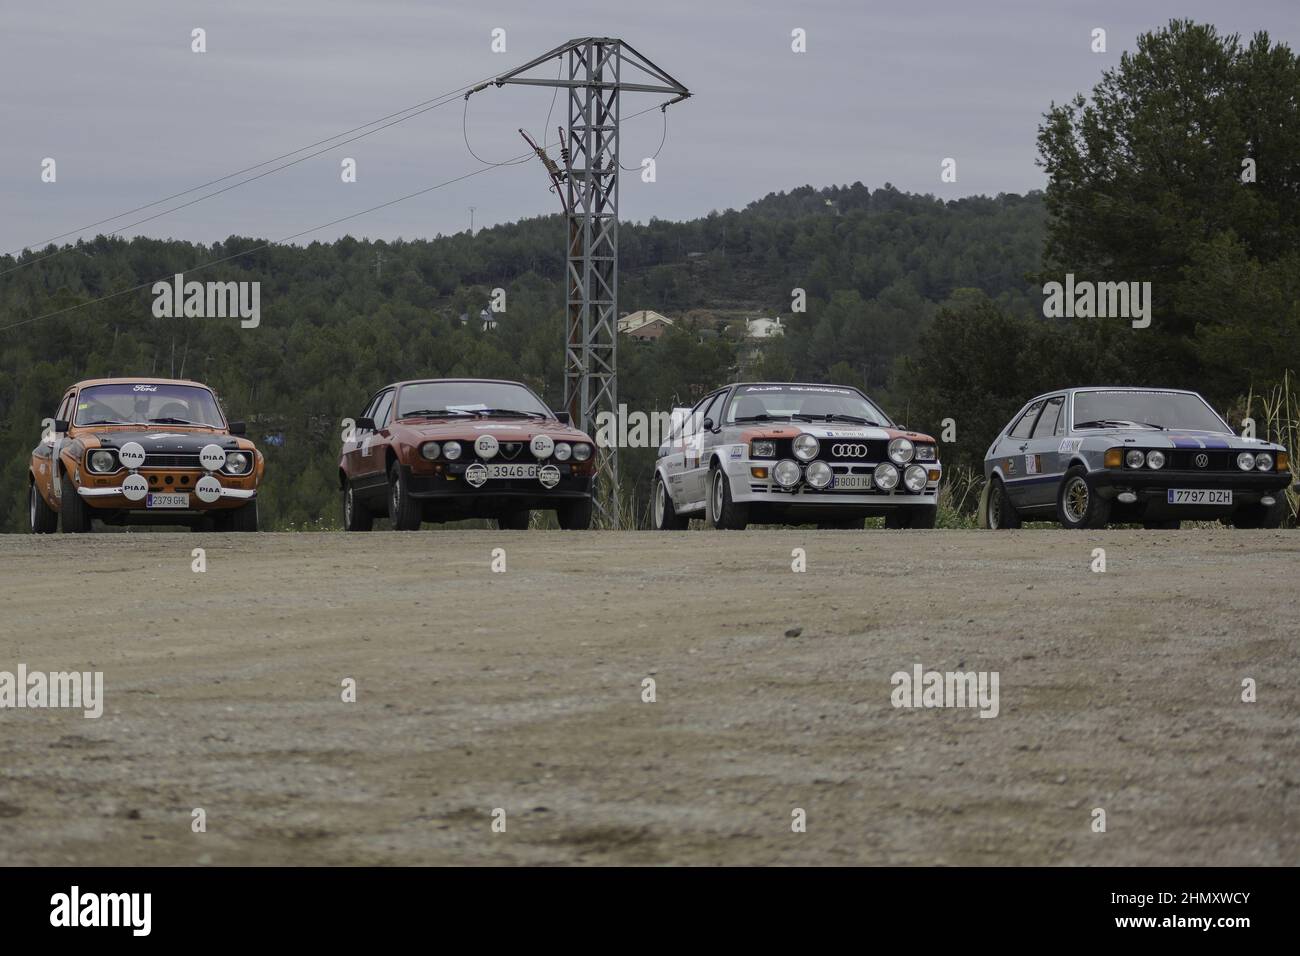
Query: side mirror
[(564, 418), (238, 428), (365, 424), (60, 426), (708, 424)]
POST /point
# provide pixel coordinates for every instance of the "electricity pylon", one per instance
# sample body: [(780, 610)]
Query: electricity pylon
[(588, 186)]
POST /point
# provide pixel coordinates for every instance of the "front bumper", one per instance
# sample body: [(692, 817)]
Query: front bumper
[(449, 483), (747, 488), (1151, 490), (107, 493)]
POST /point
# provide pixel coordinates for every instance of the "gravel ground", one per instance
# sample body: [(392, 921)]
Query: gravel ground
[(523, 691)]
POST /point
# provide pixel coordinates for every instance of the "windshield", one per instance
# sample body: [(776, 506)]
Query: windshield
[(467, 398), (823, 402), (1163, 410), (146, 403)]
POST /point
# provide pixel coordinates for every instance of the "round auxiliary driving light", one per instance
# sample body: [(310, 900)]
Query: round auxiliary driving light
[(208, 489), (1155, 459), (486, 446), (212, 457), (914, 478), (563, 451), (806, 447), (901, 451), (1135, 458), (451, 450), (786, 473), (542, 446), (1245, 461), (135, 488), (131, 454), (819, 474), (885, 477)]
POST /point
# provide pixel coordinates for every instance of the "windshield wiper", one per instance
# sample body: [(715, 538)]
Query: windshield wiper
[(434, 413), (105, 421), (857, 419), (1163, 428), (513, 412), (1103, 422), (764, 417), (174, 421)]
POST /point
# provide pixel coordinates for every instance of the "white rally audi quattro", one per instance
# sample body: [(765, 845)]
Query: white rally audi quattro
[(783, 453)]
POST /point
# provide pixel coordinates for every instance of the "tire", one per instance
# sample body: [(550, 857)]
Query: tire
[(719, 510), (74, 513), (574, 515), (403, 510), (513, 520), (356, 514), (1173, 525), (665, 516), (1259, 516), (44, 519), (1002, 514), (1077, 503), (242, 519)]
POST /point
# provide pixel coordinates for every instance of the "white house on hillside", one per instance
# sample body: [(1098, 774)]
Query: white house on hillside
[(645, 324), (763, 328)]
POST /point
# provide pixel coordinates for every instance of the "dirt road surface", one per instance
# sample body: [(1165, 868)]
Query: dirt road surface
[(523, 691)]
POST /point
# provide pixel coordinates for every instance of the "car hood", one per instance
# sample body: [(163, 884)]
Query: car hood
[(503, 429), (1188, 439), (164, 441), (820, 430)]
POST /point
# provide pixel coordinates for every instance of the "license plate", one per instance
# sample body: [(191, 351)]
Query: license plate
[(853, 482), (167, 501), (1199, 496), (512, 471)]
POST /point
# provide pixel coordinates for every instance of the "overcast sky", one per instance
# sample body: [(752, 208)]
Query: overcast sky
[(885, 91)]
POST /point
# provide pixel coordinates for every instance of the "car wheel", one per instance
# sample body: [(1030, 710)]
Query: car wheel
[(721, 512), (513, 520), (665, 515), (44, 519), (74, 513), (403, 510), (356, 516), (574, 515), (1077, 503), (1260, 516), (1002, 513)]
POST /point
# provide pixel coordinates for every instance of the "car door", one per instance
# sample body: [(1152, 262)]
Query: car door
[(695, 465), (1042, 459), (715, 436), (671, 457), (51, 446), (1011, 453), (363, 456)]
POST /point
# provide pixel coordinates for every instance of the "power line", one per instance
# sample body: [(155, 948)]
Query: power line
[(276, 242), (419, 108)]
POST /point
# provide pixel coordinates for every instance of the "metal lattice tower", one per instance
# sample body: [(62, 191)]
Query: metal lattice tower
[(592, 75)]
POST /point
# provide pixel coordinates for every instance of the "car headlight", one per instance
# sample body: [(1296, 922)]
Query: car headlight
[(901, 451), (819, 474), (885, 476), (786, 473), (806, 447), (914, 478), (451, 450), (101, 462), (1155, 459), (431, 450), (1134, 458), (762, 449), (486, 446), (563, 451), (1264, 461), (925, 453), (581, 452), (1246, 461), (237, 462)]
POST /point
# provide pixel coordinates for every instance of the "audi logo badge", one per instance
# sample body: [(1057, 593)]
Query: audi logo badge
[(1202, 460), (849, 451)]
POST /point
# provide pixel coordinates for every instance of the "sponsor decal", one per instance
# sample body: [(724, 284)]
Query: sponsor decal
[(1033, 465), (1010, 465), (549, 476), (1069, 445), (737, 451)]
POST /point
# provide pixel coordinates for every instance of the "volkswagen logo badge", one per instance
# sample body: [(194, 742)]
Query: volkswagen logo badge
[(849, 451), (1202, 460)]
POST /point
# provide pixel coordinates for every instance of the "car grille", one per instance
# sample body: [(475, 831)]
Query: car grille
[(1214, 460), (171, 461), (850, 449)]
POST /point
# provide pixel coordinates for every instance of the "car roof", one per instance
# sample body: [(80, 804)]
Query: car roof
[(794, 385), (139, 380), (426, 381), (1111, 388)]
